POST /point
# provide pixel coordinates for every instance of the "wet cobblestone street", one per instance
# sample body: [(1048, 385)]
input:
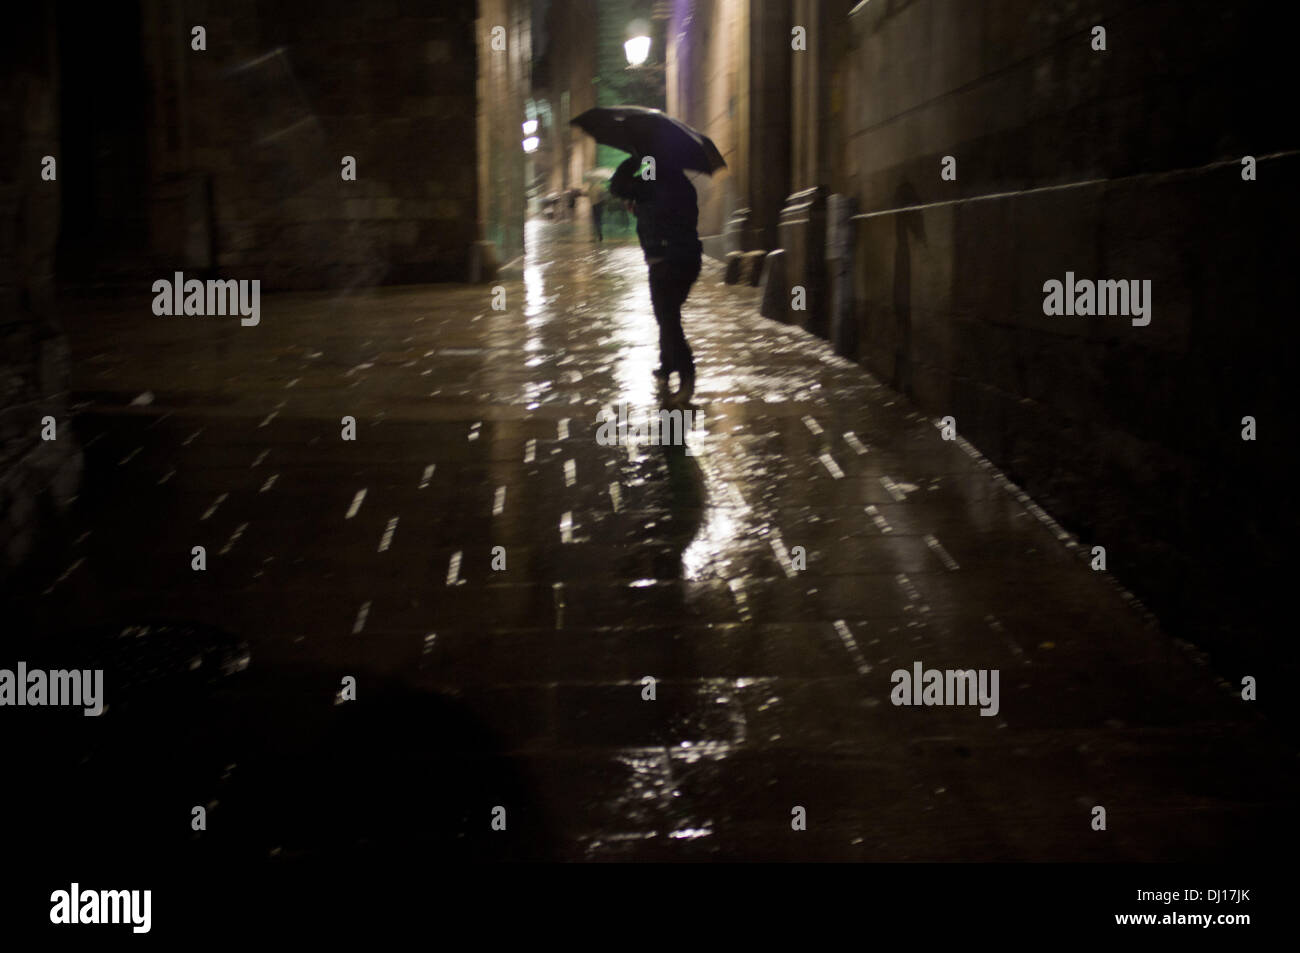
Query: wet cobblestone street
[(522, 686)]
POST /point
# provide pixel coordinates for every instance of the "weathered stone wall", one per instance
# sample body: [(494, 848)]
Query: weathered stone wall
[(572, 68), (283, 92), (817, 106), (1121, 164), (504, 77), (765, 135), (38, 477), (1014, 90), (706, 59)]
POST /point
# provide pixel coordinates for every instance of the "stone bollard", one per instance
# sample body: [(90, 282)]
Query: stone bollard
[(776, 300), (737, 230), (483, 264), (732, 274), (803, 236), (752, 267)]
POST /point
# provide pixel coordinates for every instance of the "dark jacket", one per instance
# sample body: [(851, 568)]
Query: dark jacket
[(667, 215)]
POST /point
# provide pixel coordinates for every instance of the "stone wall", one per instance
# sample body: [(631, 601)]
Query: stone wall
[(765, 134), (571, 66), (775, 113), (1121, 164), (706, 82), (38, 478), (283, 92), (504, 78), (816, 107), (1014, 90)]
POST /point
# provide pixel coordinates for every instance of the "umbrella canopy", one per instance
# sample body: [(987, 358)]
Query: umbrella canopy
[(642, 131)]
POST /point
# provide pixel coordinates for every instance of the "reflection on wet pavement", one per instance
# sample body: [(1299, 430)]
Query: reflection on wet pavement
[(500, 584)]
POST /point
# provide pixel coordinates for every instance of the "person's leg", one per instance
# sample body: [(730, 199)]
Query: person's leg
[(670, 284), (685, 276), (661, 296)]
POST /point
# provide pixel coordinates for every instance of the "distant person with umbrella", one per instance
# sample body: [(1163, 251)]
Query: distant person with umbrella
[(667, 215), (596, 194)]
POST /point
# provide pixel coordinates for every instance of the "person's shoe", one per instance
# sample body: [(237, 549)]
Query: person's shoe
[(663, 384), (661, 374), (686, 391)]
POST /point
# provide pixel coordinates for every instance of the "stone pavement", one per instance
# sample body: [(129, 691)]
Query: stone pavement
[(522, 687)]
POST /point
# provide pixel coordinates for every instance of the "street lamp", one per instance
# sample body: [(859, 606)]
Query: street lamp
[(637, 46), (637, 50)]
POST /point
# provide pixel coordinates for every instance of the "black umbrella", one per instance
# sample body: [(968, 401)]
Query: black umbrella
[(649, 132)]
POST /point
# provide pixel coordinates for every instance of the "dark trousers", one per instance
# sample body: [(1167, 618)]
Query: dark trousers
[(670, 283), (597, 215)]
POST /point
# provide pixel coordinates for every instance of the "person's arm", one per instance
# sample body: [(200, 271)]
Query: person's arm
[(626, 184)]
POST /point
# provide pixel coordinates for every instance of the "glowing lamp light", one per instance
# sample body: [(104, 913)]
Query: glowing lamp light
[(530, 127), (531, 144), (637, 50)]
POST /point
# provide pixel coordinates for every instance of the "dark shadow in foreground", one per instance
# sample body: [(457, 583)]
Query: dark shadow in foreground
[(287, 773)]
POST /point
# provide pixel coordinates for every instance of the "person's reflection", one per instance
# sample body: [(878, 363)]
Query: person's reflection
[(686, 495), (686, 498)]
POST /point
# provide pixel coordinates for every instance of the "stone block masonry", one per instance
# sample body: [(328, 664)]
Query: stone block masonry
[(38, 478), (1122, 163), (281, 96)]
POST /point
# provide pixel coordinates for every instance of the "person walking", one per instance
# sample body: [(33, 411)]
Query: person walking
[(667, 220), (596, 195)]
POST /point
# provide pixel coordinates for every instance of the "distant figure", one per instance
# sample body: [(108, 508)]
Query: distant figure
[(573, 203), (667, 216), (596, 195)]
